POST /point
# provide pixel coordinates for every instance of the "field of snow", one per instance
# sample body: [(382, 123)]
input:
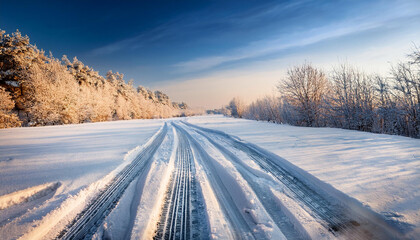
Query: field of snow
[(71, 157), (381, 171), (163, 178)]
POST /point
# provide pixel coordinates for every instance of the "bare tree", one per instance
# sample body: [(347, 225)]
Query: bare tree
[(265, 109), (406, 78), (348, 99), (237, 107), (304, 88), (352, 100)]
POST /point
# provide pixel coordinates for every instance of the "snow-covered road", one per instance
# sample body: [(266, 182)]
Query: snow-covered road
[(184, 181), (183, 205)]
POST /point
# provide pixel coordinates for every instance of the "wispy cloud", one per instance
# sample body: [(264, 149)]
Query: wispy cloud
[(277, 44), (256, 33), (198, 21), (155, 34)]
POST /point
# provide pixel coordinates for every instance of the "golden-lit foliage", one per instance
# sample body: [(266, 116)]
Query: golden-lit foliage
[(42, 90)]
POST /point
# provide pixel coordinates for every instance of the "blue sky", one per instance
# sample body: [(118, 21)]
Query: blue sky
[(206, 52)]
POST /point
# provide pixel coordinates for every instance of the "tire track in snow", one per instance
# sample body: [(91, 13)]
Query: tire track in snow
[(337, 218), (239, 221), (93, 215), (183, 210), (264, 195)]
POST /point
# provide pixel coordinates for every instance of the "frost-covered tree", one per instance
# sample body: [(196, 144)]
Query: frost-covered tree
[(47, 91), (304, 88), (352, 101), (17, 55), (52, 95), (162, 98), (237, 107), (406, 78), (7, 117), (265, 109), (348, 99)]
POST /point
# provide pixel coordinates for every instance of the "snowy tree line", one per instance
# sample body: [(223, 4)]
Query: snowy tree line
[(36, 89), (345, 98)]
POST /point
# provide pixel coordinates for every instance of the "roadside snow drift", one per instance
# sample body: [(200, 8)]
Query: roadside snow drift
[(27, 195)]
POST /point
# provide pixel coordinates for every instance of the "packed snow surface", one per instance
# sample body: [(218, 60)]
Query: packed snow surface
[(247, 179)]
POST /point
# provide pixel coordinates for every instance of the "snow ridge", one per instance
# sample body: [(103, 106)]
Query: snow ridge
[(27, 195)]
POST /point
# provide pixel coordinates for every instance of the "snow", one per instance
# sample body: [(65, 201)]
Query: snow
[(138, 200), (301, 219), (381, 171), (82, 158), (154, 191), (27, 195), (49, 174), (241, 193), (33, 156), (219, 227)]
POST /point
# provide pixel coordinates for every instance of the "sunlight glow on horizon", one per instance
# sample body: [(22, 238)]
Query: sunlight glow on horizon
[(260, 79)]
